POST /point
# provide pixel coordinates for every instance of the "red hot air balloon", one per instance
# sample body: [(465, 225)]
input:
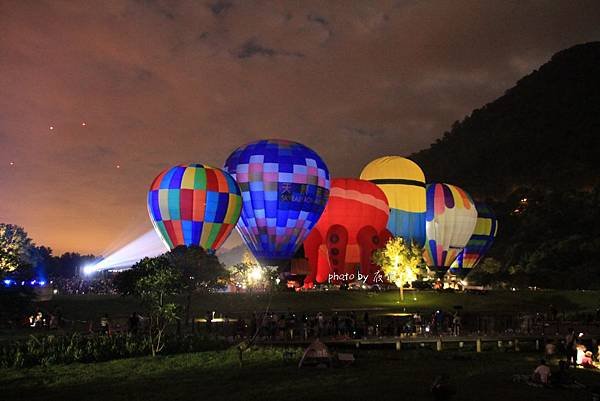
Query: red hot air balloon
[(352, 226)]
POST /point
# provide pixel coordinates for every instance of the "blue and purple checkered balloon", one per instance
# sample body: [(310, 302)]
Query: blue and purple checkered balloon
[(284, 186)]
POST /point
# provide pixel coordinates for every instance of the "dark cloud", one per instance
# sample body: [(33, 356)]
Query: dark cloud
[(251, 48), (365, 133), (158, 6), (219, 7), (165, 82), (318, 19)]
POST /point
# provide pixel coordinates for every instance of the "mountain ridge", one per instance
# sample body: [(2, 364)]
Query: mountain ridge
[(544, 131)]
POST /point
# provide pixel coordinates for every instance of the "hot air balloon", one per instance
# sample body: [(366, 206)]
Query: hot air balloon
[(480, 242), (194, 205), (403, 183), (450, 221), (350, 229), (284, 186)]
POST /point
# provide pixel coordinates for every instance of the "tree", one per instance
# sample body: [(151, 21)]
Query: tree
[(488, 272), (249, 274), (15, 247), (199, 270), (399, 261), (157, 282), (69, 263)]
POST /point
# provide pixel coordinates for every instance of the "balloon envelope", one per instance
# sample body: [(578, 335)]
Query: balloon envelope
[(480, 242), (348, 231), (450, 220), (403, 183), (284, 186), (194, 205)]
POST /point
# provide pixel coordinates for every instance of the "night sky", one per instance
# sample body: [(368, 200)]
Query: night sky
[(98, 97)]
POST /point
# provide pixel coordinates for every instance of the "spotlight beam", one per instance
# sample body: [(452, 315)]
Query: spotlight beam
[(147, 245)]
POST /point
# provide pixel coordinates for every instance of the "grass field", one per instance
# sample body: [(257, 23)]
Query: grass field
[(377, 374), (381, 375), (85, 307)]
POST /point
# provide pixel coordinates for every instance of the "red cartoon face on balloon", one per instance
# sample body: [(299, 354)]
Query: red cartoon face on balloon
[(350, 229)]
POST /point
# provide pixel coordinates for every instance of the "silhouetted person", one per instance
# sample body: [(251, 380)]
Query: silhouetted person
[(134, 323), (571, 347), (104, 324), (209, 321)]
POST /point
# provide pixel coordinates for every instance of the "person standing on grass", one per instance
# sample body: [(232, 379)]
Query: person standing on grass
[(209, 317), (134, 323), (456, 324), (105, 324), (571, 347), (291, 323), (418, 323)]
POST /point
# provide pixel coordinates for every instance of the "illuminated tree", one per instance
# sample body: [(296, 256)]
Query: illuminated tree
[(399, 261), (249, 274), (15, 247)]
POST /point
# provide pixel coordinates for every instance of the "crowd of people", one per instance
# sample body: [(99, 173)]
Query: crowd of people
[(292, 326), (78, 286)]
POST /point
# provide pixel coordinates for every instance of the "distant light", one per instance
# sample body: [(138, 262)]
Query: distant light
[(12, 163), (32, 282), (51, 127), (55, 291), (42, 283), (89, 269), (118, 166), (256, 273), (7, 282), (83, 124)]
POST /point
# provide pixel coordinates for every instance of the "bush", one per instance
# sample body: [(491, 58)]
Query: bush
[(64, 349)]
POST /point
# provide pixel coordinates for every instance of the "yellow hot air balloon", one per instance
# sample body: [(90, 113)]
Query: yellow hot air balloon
[(403, 183)]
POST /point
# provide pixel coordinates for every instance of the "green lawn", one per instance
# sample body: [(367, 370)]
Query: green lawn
[(86, 307), (381, 375)]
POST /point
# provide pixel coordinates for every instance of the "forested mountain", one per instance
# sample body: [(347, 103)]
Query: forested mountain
[(543, 131), (534, 155)]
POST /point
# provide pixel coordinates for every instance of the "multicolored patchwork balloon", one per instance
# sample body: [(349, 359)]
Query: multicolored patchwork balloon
[(449, 222), (285, 186), (480, 242), (194, 205), (403, 183)]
